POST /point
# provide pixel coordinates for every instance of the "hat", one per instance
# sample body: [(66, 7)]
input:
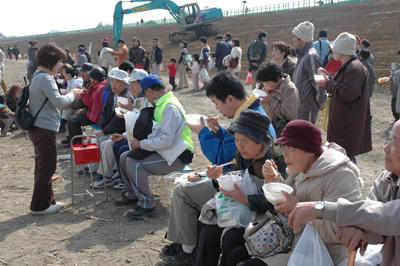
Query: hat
[(365, 42), (253, 125), (302, 135), (304, 31), (228, 35), (155, 39), (86, 67), (345, 43), (120, 75), (137, 74), (97, 73), (323, 33), (149, 81), (81, 50), (112, 71), (105, 40)]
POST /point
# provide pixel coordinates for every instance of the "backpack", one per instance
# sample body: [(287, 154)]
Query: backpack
[(256, 50), (23, 119)]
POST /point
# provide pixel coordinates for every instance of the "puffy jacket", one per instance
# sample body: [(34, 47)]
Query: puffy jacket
[(92, 100)]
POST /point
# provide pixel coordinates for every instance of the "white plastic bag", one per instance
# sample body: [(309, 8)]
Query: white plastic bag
[(203, 75), (310, 250), (232, 212), (130, 121), (211, 64), (371, 257), (27, 62)]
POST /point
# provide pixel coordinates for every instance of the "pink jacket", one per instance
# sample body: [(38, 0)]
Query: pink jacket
[(93, 100)]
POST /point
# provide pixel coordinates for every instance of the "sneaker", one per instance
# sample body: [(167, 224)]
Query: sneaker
[(119, 185), (100, 182), (115, 175), (140, 212), (80, 172), (123, 192), (125, 201), (5, 134), (66, 140), (182, 259), (170, 250), (52, 209), (59, 204)]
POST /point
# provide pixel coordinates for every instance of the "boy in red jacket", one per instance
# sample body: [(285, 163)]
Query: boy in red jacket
[(172, 72)]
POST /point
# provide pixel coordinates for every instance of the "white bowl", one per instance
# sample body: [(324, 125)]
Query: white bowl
[(194, 119), (318, 77), (60, 81), (260, 93), (122, 100), (120, 111), (63, 91), (226, 182), (272, 192)]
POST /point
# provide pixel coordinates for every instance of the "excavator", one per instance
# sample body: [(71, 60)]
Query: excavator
[(190, 17)]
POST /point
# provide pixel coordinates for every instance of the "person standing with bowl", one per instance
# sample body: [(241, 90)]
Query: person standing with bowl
[(44, 135)]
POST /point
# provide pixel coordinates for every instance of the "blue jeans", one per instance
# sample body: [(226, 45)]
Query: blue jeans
[(353, 159), (119, 148)]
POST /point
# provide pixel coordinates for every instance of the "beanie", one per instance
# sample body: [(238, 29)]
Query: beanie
[(304, 31)]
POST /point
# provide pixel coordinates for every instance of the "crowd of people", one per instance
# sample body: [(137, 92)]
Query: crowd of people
[(272, 138)]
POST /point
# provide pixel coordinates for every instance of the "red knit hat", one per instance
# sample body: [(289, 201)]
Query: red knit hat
[(302, 135)]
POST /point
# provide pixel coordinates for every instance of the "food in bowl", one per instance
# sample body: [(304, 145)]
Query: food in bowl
[(194, 177), (272, 192), (226, 182)]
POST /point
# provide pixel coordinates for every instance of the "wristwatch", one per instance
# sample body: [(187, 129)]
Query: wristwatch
[(319, 207)]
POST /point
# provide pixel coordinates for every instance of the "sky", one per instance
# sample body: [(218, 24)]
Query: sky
[(39, 17)]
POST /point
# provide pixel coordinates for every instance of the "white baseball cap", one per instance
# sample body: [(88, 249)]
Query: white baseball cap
[(112, 71), (120, 75), (137, 74)]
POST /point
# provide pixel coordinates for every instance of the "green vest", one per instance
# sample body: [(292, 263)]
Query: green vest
[(169, 98)]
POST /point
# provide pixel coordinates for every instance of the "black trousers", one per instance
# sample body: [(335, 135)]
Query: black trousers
[(209, 247), (172, 82), (75, 124), (395, 115), (240, 257)]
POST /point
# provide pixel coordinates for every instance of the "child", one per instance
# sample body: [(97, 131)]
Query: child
[(146, 62), (195, 72), (6, 117), (172, 73)]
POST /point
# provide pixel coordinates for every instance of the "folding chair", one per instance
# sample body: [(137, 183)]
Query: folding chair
[(167, 181)]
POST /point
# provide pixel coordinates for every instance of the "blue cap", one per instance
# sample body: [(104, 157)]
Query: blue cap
[(149, 81)]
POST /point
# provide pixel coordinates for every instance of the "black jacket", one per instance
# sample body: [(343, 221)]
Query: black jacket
[(159, 56), (110, 123), (221, 51)]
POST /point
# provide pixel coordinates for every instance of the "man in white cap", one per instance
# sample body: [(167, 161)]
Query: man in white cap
[(312, 96), (110, 123)]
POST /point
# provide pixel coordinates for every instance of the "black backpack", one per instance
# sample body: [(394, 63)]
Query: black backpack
[(23, 119)]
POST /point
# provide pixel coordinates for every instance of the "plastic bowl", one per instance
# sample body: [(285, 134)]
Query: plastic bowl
[(120, 110), (260, 93), (194, 119), (60, 81), (272, 192), (226, 182), (122, 100), (318, 77), (63, 91)]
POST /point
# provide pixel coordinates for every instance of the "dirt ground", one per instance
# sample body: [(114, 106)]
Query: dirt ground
[(81, 234)]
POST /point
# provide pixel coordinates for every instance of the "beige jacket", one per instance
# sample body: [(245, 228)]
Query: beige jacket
[(379, 215), (332, 176), (285, 101)]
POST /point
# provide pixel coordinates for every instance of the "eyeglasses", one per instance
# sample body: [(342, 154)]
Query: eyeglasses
[(284, 148)]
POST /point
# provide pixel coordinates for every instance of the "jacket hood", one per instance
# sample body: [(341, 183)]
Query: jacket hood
[(331, 159)]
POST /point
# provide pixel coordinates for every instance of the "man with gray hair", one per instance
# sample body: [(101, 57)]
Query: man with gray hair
[(312, 96)]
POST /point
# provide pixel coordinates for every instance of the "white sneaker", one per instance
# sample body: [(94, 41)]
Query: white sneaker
[(49, 210), (59, 204)]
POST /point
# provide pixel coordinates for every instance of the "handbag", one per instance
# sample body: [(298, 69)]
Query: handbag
[(271, 236), (187, 58), (23, 119), (234, 62)]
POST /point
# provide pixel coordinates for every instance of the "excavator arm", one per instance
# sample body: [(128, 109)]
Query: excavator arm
[(119, 13)]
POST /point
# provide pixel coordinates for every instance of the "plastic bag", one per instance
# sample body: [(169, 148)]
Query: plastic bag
[(27, 62), (203, 75), (130, 121), (211, 64), (310, 250), (232, 212), (371, 257)]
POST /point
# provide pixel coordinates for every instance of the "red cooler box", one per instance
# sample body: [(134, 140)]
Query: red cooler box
[(85, 155)]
